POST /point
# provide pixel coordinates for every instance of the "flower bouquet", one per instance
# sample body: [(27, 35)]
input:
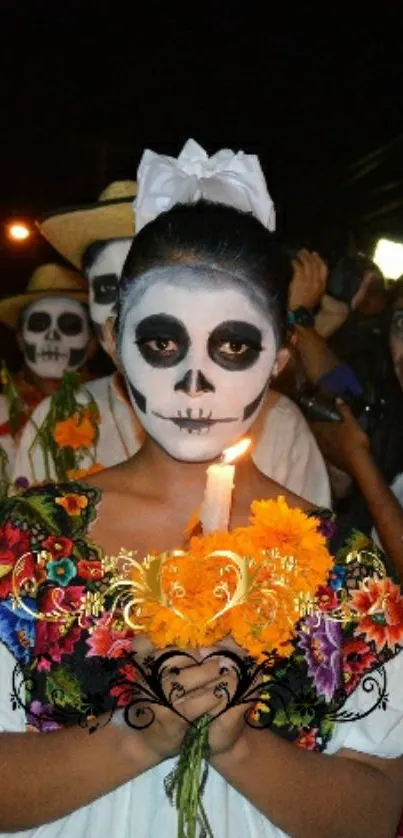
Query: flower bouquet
[(253, 584)]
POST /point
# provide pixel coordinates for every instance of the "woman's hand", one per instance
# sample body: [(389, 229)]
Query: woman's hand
[(198, 694), (227, 729), (308, 282)]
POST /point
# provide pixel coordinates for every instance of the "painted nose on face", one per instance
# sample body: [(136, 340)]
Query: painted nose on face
[(194, 383), (52, 334)]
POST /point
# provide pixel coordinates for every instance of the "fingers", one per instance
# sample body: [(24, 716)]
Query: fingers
[(199, 677), (210, 698), (345, 411), (309, 278)]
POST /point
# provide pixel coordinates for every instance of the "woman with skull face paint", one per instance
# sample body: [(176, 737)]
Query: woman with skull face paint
[(53, 333), (96, 238), (201, 317)]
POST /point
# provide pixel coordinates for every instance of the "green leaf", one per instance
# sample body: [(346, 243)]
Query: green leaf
[(40, 508), (63, 689), (326, 727), (281, 719)]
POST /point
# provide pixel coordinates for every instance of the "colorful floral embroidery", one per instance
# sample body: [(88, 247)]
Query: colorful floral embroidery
[(76, 664), (381, 604), (321, 640), (73, 504)]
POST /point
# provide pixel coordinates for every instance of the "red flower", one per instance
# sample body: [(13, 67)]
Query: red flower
[(326, 598), (13, 544), (89, 569), (57, 546), (124, 691), (380, 603), (357, 658), (52, 642), (5, 429), (66, 599), (107, 642), (307, 739), (52, 639)]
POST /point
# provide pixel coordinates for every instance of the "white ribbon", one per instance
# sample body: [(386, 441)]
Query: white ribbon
[(226, 177)]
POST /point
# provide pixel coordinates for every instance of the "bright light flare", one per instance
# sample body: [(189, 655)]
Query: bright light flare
[(231, 454), (18, 231), (389, 258)]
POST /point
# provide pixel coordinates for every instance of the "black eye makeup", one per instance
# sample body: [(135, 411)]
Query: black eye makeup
[(105, 288), (70, 324), (38, 321), (163, 341), (235, 345)]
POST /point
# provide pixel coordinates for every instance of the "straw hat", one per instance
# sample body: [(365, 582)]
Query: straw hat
[(46, 281), (71, 230)]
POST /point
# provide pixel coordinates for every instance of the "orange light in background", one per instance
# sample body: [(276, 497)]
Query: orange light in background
[(18, 231)]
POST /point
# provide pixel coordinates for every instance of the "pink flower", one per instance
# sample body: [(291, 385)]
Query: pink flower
[(106, 642)]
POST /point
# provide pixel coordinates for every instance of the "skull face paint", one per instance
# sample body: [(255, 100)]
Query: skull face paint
[(197, 360), (103, 276), (55, 335)]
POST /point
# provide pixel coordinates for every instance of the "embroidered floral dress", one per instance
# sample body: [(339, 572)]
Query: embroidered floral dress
[(341, 687)]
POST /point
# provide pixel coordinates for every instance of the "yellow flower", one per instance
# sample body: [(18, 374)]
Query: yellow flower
[(75, 432), (253, 592), (72, 503), (80, 473)]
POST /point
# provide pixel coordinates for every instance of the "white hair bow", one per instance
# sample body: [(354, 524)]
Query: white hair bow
[(226, 177)]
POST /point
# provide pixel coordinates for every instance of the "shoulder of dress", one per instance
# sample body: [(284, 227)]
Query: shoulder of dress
[(57, 508)]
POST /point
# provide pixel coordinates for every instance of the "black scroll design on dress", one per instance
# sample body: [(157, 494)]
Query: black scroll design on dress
[(374, 682), (159, 684), (155, 682)]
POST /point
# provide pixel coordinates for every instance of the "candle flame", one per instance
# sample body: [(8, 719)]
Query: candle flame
[(231, 454)]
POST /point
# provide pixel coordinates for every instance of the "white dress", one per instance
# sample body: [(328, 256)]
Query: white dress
[(140, 809), (285, 448)]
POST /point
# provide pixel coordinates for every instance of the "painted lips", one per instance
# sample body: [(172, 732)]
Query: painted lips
[(190, 423)]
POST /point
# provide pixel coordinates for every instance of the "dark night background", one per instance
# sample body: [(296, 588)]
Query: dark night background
[(315, 89)]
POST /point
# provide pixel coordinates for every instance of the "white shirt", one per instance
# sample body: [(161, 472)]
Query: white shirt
[(284, 449), (140, 809)]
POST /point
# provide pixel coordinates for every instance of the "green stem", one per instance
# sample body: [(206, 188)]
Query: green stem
[(184, 785)]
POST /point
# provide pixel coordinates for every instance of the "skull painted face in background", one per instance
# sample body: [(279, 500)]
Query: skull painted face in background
[(103, 276), (197, 357), (55, 335)]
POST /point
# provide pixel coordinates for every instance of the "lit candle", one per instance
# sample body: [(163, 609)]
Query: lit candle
[(216, 506)]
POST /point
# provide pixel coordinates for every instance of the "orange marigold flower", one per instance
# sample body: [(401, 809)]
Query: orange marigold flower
[(249, 583), (76, 432), (80, 473), (72, 503), (380, 603)]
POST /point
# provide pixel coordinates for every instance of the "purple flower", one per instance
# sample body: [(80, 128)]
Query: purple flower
[(21, 483), (39, 716), (327, 527), (320, 640)]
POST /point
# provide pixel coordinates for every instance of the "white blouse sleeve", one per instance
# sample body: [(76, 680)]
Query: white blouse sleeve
[(380, 733), (286, 451)]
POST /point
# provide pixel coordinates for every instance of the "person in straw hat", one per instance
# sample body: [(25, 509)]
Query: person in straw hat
[(53, 332), (96, 239)]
